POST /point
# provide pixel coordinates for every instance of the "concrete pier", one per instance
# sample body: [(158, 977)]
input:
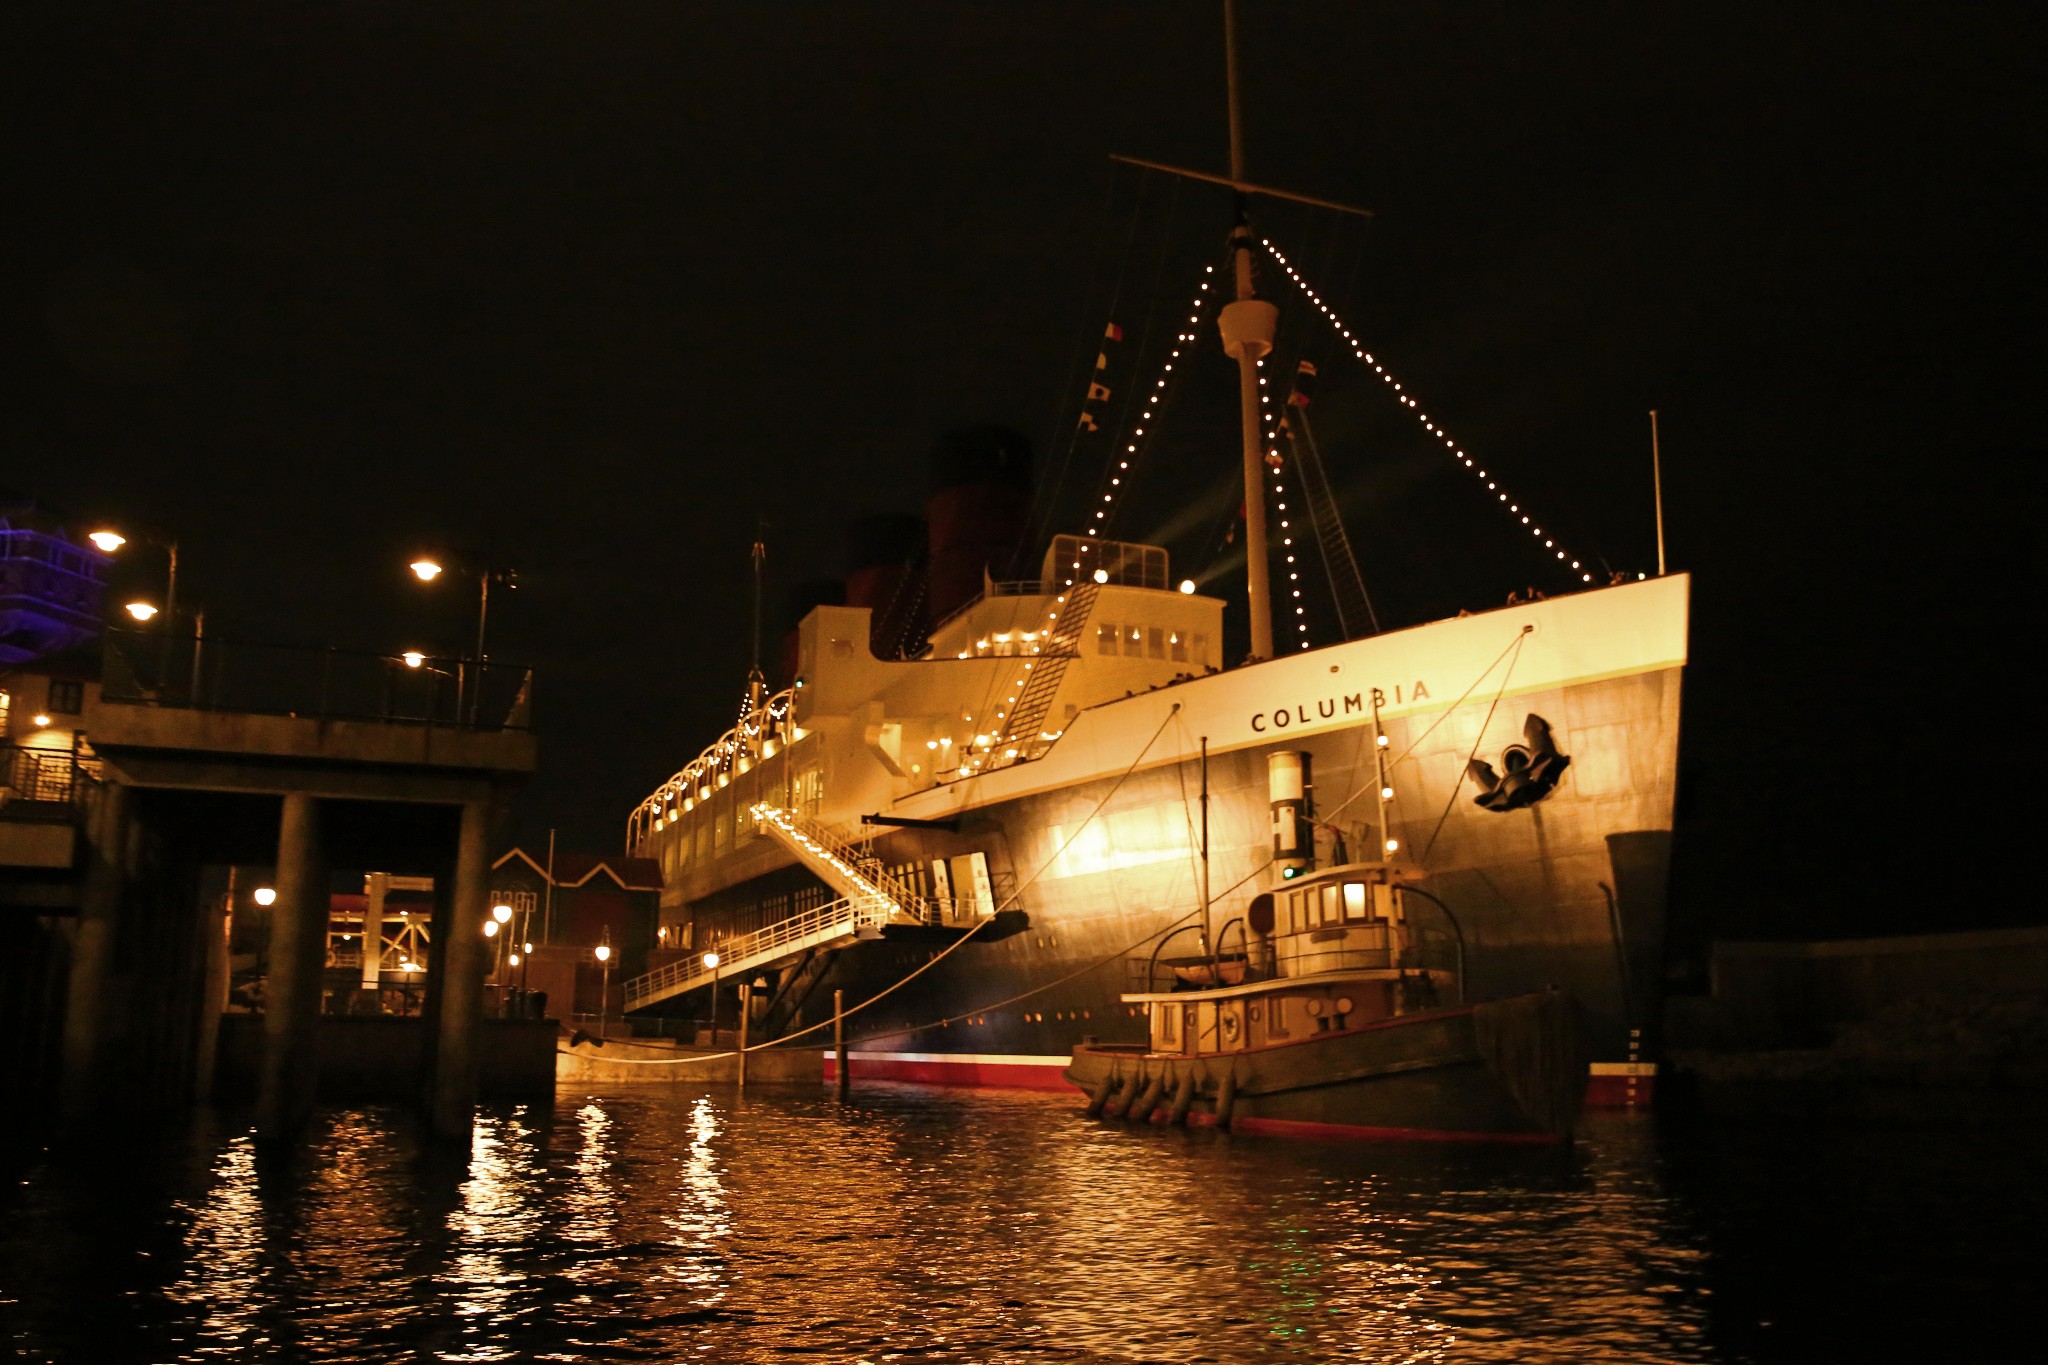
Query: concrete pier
[(298, 948), (465, 958), (178, 790)]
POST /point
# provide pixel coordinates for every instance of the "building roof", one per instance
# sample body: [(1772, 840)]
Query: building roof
[(576, 869)]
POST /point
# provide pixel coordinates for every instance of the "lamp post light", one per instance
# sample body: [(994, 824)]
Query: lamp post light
[(604, 993), (429, 567), (109, 541), (711, 965)]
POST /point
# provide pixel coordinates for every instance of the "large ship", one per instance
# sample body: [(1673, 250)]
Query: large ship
[(981, 831)]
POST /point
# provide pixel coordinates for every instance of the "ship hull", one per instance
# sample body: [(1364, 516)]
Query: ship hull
[(1094, 846)]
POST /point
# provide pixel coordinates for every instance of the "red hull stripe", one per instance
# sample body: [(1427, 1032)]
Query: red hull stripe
[(929, 1068), (1349, 1132)]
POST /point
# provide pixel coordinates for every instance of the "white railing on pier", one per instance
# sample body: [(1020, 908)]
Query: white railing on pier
[(824, 926)]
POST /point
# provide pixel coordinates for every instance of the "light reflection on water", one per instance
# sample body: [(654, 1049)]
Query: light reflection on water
[(664, 1224)]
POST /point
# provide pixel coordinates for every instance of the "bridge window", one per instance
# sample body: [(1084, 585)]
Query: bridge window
[(1178, 643), (1333, 905), (1155, 643), (1105, 639), (1357, 905), (1134, 642)]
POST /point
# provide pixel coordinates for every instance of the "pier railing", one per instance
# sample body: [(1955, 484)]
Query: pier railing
[(146, 668)]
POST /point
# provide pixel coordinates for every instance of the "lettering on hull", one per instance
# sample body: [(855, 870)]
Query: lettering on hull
[(1331, 708)]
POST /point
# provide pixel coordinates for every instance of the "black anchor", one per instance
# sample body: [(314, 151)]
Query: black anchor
[(1532, 770)]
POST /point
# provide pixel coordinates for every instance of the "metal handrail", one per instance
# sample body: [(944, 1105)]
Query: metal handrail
[(836, 919), (902, 898)]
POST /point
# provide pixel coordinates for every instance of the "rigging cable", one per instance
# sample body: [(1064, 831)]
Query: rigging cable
[(1514, 646), (1458, 786), (1434, 428), (1045, 501)]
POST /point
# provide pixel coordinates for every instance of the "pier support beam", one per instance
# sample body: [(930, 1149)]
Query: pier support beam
[(461, 988), (298, 957), (215, 921), (89, 1002)]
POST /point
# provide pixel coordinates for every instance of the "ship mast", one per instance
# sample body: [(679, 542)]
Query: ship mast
[(1248, 325)]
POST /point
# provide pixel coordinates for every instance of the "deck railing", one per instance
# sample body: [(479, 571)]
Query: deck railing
[(786, 937), (147, 668)]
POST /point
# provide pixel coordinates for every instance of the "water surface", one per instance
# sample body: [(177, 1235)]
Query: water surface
[(921, 1224)]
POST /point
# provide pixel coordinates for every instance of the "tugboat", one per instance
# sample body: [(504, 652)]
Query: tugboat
[(1332, 1023)]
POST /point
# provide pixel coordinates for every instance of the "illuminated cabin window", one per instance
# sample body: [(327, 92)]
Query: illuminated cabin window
[(1357, 905), (1105, 639), (1155, 643), (1178, 643), (1134, 642), (1333, 904)]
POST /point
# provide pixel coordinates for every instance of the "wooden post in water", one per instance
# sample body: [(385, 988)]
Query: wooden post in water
[(746, 1012), (840, 1076)]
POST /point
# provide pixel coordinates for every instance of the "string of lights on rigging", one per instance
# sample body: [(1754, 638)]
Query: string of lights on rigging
[(1434, 428), (1152, 400), (1271, 437)]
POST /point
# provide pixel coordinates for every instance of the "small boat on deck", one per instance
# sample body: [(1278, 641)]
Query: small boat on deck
[(1332, 1023)]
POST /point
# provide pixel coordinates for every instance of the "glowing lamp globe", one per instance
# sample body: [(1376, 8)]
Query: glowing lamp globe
[(501, 913), (711, 961), (108, 541), (413, 658), (266, 895), (1187, 585), (490, 928), (426, 569), (604, 952), (141, 611)]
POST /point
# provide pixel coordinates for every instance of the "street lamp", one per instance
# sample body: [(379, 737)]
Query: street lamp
[(429, 567), (604, 993), (265, 895), (109, 540), (711, 965), (141, 611)]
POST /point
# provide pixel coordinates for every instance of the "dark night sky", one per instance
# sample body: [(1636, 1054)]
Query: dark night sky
[(595, 286)]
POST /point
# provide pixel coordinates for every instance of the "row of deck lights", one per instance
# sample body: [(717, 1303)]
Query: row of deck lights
[(713, 769), (1435, 429)]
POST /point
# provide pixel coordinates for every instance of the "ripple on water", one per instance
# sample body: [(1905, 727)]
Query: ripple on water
[(908, 1224)]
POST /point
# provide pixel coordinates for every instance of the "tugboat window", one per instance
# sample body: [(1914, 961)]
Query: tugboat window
[(1155, 643), (1357, 906), (1134, 642), (1105, 638), (1333, 910)]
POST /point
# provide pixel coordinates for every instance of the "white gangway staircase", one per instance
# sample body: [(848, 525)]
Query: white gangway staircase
[(868, 899)]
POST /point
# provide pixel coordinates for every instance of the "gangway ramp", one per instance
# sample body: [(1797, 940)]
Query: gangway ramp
[(825, 926), (838, 863), (869, 899)]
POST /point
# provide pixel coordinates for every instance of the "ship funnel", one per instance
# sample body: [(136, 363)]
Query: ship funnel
[(1290, 785)]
